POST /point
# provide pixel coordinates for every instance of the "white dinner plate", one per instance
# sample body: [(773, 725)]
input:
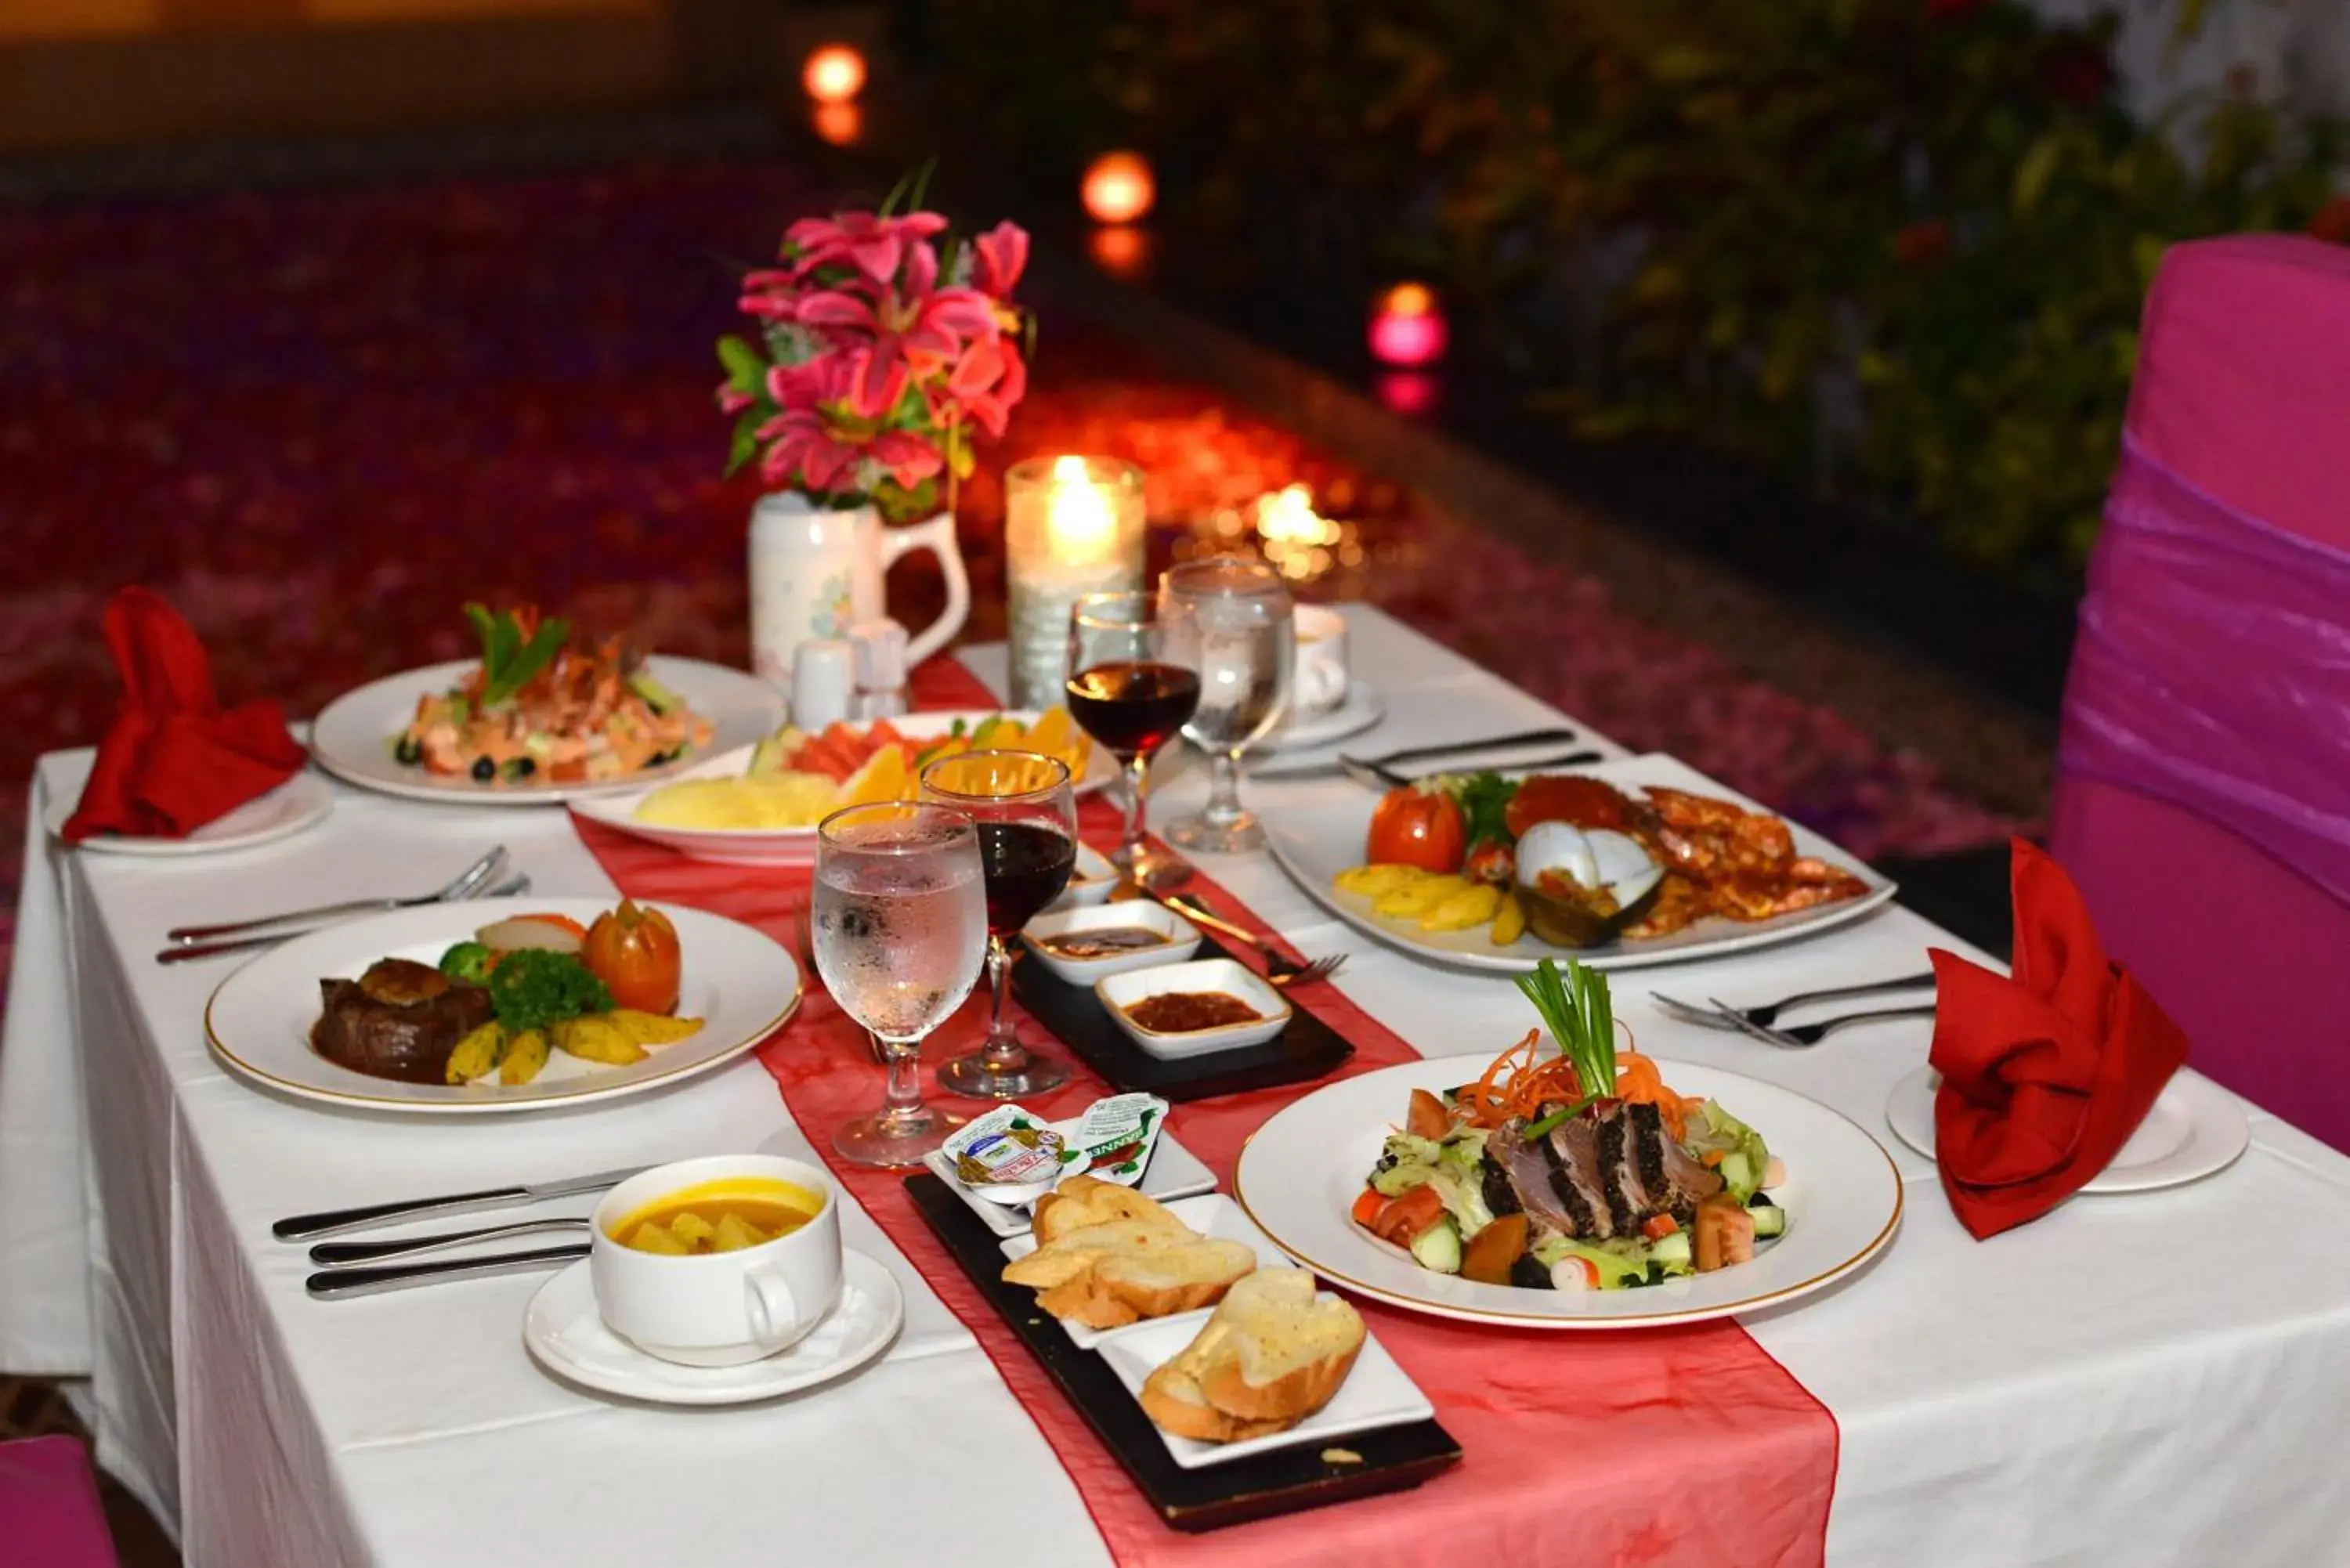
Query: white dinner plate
[(741, 984), (1314, 842), (302, 801), (2194, 1129), (1301, 1171), (568, 1337), (1360, 709), (1212, 1214), (353, 738), (785, 845)]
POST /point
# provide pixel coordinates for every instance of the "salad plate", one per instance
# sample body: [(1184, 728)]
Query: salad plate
[(301, 802), (2195, 1130), (738, 983), (787, 845), (356, 736), (1303, 1170), (1319, 840)]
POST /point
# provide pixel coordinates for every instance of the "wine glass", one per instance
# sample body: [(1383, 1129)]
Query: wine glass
[(1131, 690), (1026, 818), (1231, 620), (899, 928)]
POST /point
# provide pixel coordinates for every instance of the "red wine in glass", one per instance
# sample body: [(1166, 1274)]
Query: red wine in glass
[(1025, 866), (1133, 707)]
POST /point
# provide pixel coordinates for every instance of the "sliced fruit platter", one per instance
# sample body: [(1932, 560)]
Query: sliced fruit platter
[(759, 804)]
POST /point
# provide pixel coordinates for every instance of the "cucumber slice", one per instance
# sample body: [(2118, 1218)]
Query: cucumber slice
[(1736, 1172), (1437, 1248), (1770, 1220), (1672, 1251)]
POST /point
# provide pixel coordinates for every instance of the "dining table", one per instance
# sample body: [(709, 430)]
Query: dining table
[(2150, 1377)]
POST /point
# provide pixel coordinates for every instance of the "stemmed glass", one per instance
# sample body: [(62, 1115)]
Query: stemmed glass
[(899, 928), (1231, 620), (1130, 687), (1026, 818)]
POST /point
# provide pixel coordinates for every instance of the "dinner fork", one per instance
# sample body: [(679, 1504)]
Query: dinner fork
[(1766, 1015), (519, 883), (1797, 1036), (478, 874), (1280, 969)]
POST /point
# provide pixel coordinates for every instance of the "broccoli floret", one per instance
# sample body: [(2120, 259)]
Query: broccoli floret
[(535, 988), (469, 962)]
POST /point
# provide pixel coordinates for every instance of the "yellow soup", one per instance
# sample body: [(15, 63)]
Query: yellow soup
[(722, 1216)]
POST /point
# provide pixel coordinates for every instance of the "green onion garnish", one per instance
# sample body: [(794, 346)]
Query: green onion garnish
[(1581, 1017)]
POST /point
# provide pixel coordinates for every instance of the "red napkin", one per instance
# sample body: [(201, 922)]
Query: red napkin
[(2046, 1074), (174, 761)]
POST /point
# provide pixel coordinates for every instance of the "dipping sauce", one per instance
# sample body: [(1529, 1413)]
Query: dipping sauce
[(722, 1216), (1103, 943), (1187, 1011)]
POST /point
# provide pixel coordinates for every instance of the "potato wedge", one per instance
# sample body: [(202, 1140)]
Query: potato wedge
[(1410, 903), (1374, 881), (652, 1028), (596, 1038), (1473, 906), (1509, 921), (526, 1054), (653, 1237), (692, 1229), (734, 1233), (478, 1054)]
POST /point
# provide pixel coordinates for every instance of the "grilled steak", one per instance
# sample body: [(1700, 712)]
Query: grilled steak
[(1619, 1173), (1527, 1167), (400, 1020), (1499, 1195), (1688, 1182), (1575, 1156)]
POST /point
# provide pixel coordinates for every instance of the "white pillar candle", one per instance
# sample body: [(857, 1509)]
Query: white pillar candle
[(1073, 525)]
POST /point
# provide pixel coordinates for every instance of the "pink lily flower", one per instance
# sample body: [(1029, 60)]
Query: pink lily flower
[(984, 385), (874, 244), (907, 457), (802, 449), (998, 258), (914, 330)]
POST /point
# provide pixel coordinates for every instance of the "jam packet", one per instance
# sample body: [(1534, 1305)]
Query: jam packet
[(1113, 1139), (1010, 1156)]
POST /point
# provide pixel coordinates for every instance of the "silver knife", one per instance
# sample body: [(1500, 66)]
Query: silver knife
[(1377, 773), (302, 1227), (340, 1282)]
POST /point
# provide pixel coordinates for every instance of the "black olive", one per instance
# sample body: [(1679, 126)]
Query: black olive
[(485, 770), (658, 758), (521, 768), (408, 752)]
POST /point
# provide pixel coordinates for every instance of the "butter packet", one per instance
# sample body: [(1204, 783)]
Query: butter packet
[(1113, 1139), (1010, 1156), (1007, 1147)]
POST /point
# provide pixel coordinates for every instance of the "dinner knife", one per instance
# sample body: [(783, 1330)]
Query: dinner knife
[(336, 1284), (302, 1227), (1382, 772), (352, 1254)]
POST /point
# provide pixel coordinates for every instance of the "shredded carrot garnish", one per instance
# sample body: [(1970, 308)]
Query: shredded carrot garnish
[(1519, 1084)]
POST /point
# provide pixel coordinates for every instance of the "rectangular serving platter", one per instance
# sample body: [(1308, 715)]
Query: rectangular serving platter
[(1287, 1480)]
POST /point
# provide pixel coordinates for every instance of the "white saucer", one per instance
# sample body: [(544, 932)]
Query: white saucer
[(1363, 708), (301, 802), (2196, 1129), (568, 1337)]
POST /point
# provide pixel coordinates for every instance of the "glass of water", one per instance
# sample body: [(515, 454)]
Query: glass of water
[(899, 928), (1232, 619)]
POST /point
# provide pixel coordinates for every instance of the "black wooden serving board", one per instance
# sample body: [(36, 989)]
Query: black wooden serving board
[(1306, 1050), (1283, 1480)]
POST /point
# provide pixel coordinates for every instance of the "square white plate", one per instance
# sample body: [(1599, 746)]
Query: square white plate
[(1119, 992), (1377, 1393), (1173, 1172), (1182, 939), (1212, 1215)]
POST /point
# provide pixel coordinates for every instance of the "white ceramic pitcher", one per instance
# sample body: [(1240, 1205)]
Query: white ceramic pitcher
[(817, 571)]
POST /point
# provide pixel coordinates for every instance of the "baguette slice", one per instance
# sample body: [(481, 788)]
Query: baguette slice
[(1083, 1201), (1112, 1274), (1271, 1356)]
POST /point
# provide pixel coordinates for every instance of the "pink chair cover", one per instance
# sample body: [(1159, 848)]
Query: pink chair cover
[(2203, 777), (49, 1513)]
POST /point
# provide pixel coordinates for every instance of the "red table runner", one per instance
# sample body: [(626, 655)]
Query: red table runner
[(1649, 1447)]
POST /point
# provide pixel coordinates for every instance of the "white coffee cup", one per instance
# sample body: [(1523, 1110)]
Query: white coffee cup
[(1322, 674), (717, 1309)]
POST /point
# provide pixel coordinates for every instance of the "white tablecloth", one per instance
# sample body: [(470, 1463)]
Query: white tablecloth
[(2148, 1379)]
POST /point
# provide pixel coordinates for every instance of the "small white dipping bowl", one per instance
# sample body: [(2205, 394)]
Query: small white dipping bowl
[(1182, 939), (1093, 881), (1120, 991)]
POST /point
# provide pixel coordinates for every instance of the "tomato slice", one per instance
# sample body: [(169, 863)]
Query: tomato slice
[(1367, 1204), (1405, 1217)]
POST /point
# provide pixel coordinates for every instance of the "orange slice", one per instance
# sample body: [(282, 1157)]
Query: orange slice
[(885, 776), (1055, 735)]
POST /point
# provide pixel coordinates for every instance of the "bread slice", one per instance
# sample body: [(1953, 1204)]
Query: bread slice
[(1271, 1356), (1083, 1201), (1121, 1272)]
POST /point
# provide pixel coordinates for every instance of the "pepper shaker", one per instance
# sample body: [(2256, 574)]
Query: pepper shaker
[(881, 689)]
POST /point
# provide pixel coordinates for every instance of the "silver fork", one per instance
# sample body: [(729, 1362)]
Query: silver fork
[(1280, 969), (517, 884), (1765, 1015), (1795, 1037), (478, 874)]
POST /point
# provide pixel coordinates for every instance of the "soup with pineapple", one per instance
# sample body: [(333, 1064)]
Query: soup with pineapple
[(723, 1216)]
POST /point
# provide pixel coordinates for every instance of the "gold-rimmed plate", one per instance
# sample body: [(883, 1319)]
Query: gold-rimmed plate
[(742, 985), (1300, 1173)]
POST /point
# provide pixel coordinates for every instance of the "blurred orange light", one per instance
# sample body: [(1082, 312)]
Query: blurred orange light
[(1119, 251), (1117, 188), (835, 73), (839, 123), (1409, 299)]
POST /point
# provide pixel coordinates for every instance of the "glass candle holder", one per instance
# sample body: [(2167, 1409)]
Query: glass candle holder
[(1073, 526)]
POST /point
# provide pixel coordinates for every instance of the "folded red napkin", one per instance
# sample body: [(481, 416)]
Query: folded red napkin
[(174, 761), (2045, 1074)]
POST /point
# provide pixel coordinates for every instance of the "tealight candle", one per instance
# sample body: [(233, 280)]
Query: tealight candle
[(1073, 525)]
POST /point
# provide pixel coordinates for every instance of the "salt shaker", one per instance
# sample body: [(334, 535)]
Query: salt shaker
[(880, 648), (823, 683)]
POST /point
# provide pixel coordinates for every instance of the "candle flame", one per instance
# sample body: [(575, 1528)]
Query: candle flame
[(1069, 470)]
